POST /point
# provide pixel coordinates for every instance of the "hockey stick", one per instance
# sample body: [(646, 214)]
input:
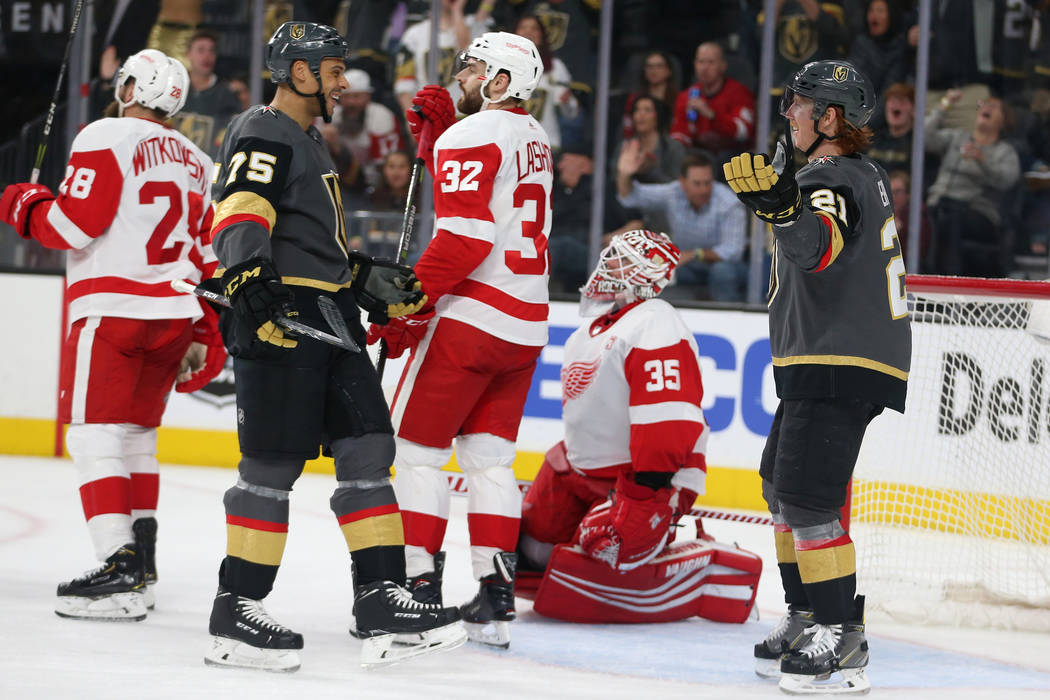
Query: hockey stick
[(335, 320), (282, 321), (408, 221), (457, 486), (46, 135)]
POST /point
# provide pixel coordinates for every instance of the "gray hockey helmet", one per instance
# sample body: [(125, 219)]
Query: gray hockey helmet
[(833, 83)]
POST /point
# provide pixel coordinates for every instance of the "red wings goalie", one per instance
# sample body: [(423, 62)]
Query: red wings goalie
[(631, 393)]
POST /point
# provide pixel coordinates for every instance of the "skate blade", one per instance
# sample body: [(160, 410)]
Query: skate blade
[(852, 681), (493, 634), (767, 668), (387, 649), (149, 597), (118, 607), (230, 653)]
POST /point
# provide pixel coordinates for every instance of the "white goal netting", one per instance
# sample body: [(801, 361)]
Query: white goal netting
[(951, 501)]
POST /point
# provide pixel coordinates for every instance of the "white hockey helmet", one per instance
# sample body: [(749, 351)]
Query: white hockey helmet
[(635, 265), (503, 51), (161, 82)]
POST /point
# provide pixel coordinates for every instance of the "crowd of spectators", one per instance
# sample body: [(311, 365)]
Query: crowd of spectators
[(687, 104)]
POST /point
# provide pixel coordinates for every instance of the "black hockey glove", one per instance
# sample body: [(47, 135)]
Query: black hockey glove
[(385, 289), (768, 189), (258, 298)]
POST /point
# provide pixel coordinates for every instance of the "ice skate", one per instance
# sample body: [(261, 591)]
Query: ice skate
[(790, 633), (386, 613), (245, 636), (488, 616), (832, 661), (426, 588), (112, 592), (145, 530)]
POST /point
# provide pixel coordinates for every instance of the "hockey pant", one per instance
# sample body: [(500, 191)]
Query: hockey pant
[(463, 385), (806, 467), (314, 395), (114, 379)]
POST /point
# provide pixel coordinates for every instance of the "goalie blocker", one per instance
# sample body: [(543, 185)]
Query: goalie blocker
[(694, 578)]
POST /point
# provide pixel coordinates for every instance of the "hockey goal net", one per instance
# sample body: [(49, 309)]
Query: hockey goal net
[(951, 501)]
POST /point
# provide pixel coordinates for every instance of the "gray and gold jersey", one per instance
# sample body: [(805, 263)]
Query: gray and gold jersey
[(277, 195), (838, 313)]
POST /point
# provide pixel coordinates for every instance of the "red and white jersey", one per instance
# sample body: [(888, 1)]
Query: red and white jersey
[(493, 177), (378, 137), (134, 208), (631, 392)]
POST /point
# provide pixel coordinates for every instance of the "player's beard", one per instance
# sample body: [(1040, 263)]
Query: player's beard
[(470, 103)]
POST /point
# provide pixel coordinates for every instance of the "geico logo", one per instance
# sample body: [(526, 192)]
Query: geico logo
[(966, 389), (739, 373)]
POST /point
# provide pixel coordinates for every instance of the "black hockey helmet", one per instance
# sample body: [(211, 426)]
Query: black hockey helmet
[(303, 41), (833, 83)]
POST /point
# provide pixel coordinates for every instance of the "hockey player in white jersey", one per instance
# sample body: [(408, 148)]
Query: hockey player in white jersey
[(631, 398), (133, 210), (475, 349)]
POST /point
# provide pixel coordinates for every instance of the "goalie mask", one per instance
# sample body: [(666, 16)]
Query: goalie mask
[(503, 51), (161, 82), (635, 265)]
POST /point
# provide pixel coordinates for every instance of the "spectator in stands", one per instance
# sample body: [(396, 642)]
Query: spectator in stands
[(211, 104), (706, 220), (572, 28), (552, 101), (662, 154), (569, 241), (953, 44), (366, 128), (891, 145), (881, 51), (716, 113), (380, 235), (976, 169), (239, 87), (456, 31), (900, 186), (659, 79)]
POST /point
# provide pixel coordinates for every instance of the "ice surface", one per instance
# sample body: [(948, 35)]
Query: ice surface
[(43, 540)]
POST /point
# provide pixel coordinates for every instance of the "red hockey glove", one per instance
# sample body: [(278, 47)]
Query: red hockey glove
[(433, 108), (17, 203), (631, 529), (205, 334), (401, 334)]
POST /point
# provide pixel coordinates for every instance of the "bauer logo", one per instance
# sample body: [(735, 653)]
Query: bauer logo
[(1012, 407)]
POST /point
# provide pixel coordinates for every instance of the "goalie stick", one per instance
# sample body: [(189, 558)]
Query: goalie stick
[(408, 221), (457, 486), (282, 321)]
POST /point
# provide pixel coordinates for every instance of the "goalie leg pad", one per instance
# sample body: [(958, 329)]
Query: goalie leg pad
[(696, 577)]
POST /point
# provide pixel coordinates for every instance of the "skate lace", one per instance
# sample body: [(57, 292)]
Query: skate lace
[(823, 641), (404, 599), (255, 613)]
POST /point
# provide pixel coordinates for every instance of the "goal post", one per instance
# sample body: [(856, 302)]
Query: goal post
[(951, 500)]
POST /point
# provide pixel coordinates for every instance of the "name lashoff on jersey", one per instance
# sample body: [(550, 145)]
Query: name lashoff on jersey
[(535, 157)]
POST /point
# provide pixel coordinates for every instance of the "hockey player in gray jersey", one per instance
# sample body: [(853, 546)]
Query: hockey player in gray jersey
[(280, 237), (841, 345)]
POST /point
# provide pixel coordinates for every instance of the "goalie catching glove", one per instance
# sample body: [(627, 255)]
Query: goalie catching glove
[(633, 527), (259, 298), (768, 189), (384, 289)]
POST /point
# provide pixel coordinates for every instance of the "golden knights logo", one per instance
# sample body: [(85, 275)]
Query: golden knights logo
[(555, 23), (798, 38), (298, 31), (840, 74)]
